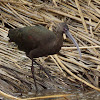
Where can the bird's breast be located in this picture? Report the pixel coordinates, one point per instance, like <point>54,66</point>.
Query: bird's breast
<point>53,47</point>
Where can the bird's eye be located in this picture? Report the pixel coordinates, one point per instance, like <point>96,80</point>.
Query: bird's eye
<point>65,29</point>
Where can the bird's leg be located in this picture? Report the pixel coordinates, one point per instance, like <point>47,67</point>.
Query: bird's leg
<point>41,67</point>
<point>45,71</point>
<point>32,70</point>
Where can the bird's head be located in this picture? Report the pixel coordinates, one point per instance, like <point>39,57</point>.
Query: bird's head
<point>60,28</point>
<point>63,28</point>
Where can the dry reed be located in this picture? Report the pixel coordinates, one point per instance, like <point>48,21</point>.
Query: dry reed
<point>83,19</point>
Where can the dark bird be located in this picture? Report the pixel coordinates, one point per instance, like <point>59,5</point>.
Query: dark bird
<point>37,41</point>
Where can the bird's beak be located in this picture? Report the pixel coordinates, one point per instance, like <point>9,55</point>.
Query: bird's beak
<point>73,40</point>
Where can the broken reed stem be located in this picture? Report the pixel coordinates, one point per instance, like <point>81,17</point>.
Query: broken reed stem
<point>81,15</point>
<point>74,48</point>
<point>8,96</point>
<point>47,97</point>
<point>34,98</point>
<point>97,26</point>
<point>57,64</point>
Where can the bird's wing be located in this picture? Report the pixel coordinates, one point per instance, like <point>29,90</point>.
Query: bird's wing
<point>30,37</point>
<point>37,35</point>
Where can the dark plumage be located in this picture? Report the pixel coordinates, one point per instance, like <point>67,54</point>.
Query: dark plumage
<point>37,41</point>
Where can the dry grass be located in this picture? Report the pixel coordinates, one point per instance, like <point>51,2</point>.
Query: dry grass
<point>83,18</point>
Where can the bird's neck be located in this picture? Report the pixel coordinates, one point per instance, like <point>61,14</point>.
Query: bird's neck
<point>59,35</point>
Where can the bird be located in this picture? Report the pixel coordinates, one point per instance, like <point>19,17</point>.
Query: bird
<point>38,41</point>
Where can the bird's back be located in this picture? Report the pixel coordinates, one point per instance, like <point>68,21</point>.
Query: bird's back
<point>30,37</point>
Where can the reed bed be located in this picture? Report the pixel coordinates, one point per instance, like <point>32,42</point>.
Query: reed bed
<point>83,19</point>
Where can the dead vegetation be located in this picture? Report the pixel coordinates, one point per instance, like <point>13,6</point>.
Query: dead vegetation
<point>83,19</point>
